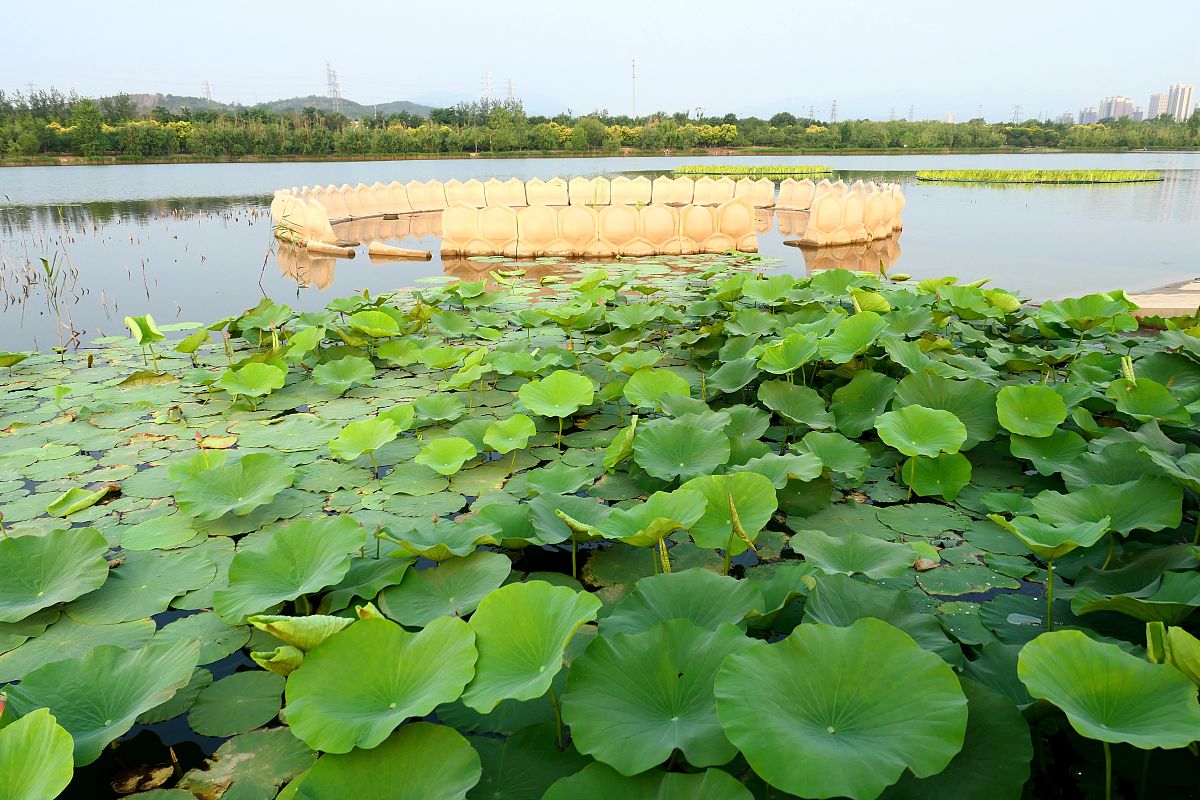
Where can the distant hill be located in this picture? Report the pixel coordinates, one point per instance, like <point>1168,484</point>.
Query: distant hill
<point>174,103</point>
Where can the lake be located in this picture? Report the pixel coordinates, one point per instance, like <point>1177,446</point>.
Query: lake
<point>85,246</point>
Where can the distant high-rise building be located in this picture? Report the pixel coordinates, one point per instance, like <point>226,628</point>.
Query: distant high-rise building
<point>949,117</point>
<point>1179,101</point>
<point>1116,107</point>
<point>1138,114</point>
<point>1157,106</point>
<point>1066,118</point>
<point>1088,116</point>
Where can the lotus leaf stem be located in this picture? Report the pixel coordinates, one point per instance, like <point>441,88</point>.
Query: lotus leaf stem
<point>1112,546</point>
<point>1196,535</point>
<point>1050,594</point>
<point>1107,772</point>
<point>558,723</point>
<point>1145,774</point>
<point>574,548</point>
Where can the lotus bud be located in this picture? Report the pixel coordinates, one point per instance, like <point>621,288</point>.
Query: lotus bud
<point>282,660</point>
<point>368,611</point>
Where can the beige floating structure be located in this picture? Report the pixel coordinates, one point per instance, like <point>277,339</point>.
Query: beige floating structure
<point>1176,300</point>
<point>835,213</point>
<point>378,249</point>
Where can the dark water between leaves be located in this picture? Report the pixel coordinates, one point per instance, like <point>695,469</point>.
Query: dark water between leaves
<point>192,242</point>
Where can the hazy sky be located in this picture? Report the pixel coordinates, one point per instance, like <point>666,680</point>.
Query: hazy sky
<point>744,56</point>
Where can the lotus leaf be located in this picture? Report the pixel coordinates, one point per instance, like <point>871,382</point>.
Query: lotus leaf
<point>1150,503</point>
<point>67,639</point>
<point>509,434</point>
<point>697,595</point>
<point>143,586</point>
<point>35,757</point>
<point>733,375</point>
<point>252,380</point>
<point>524,765</point>
<point>856,405</point>
<point>143,330</point>
<point>248,766</point>
<point>852,553</point>
<point>238,488</point>
<point>799,405</point>
<point>237,703</point>
<point>10,360</point>
<point>945,475</point>
<point>1049,540</point>
<point>662,514</point>
<point>446,455</point>
<point>50,569</point>
<point>1034,411</point>
<point>420,761</point>
<point>341,374</point>
<point>779,469</point>
<point>1145,400</point>
<point>75,500</point>
<point>453,588</point>
<point>215,638</point>
<point>303,633</point>
<point>520,632</point>
<point>402,415</point>
<point>920,431</point>
<point>972,401</point>
<point>363,436</point>
<point>635,697</point>
<point>439,407</point>
<point>1110,695</point>
<point>788,354</point>
<point>98,696</point>
<point>853,336</point>
<point>375,324</point>
<point>559,394</point>
<point>601,782</point>
<point>670,449</point>
<point>851,709</point>
<point>646,387</point>
<point>752,497</point>
<point>283,660</point>
<point>837,453</point>
<point>295,559</point>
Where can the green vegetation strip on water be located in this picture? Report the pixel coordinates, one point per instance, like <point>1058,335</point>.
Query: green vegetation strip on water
<point>1039,175</point>
<point>677,529</point>
<point>734,169</point>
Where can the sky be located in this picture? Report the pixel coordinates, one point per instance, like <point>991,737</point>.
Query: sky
<point>874,58</point>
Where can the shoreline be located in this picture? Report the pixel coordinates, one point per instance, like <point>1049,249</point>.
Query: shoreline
<point>85,161</point>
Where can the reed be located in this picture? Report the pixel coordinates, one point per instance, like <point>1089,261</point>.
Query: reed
<point>764,170</point>
<point>1039,175</point>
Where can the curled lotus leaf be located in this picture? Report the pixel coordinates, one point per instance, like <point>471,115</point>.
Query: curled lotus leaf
<point>1052,540</point>
<point>283,660</point>
<point>303,633</point>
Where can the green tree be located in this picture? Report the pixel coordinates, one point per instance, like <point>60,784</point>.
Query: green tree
<point>88,137</point>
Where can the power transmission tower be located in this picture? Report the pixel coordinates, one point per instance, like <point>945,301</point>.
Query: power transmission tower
<point>833,112</point>
<point>208,91</point>
<point>509,93</point>
<point>910,113</point>
<point>892,116</point>
<point>1016,113</point>
<point>485,83</point>
<point>812,113</point>
<point>334,82</point>
<point>633,85</point>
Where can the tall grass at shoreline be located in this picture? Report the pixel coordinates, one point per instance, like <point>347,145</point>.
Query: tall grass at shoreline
<point>1039,175</point>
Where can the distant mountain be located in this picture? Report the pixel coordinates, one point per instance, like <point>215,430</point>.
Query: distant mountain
<point>174,103</point>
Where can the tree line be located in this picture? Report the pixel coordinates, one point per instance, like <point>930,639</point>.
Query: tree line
<point>52,123</point>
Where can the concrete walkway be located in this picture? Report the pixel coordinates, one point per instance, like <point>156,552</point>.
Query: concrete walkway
<point>1176,300</point>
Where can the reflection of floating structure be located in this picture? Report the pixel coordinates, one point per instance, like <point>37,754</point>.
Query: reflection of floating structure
<point>305,268</point>
<point>876,257</point>
<point>839,214</point>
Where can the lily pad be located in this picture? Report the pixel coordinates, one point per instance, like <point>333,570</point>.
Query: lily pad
<point>238,488</point>
<point>453,588</point>
<point>50,569</point>
<point>237,703</point>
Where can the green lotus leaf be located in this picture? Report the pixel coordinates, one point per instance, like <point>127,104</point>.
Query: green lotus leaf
<point>363,436</point>
<point>375,324</point>
<point>972,401</point>
<point>633,698</point>
<point>237,488</point>
<point>852,553</point>
<point>444,407</point>
<point>733,375</point>
<point>76,499</point>
<point>1174,646</point>
<point>283,660</point>
<point>1030,410</point>
<point>303,633</point>
<point>303,342</point>
<point>799,405</point>
<point>1090,311</point>
<point>1050,540</point>
<point>599,781</point>
<point>559,394</point>
<point>646,387</point>
<point>1186,469</point>
<point>355,688</point>
<point>35,757</point>
<point>98,696</point>
<point>670,449</point>
<point>1110,695</point>
<point>558,478</point>
<point>700,596</point>
<point>144,585</point>
<point>856,405</point>
<point>920,431</point>
<point>158,533</point>
<point>630,362</point>
<point>402,415</point>
<point>441,540</point>
<point>237,703</point>
<point>524,765</point>
<point>850,709</point>
<point>923,519</point>
<point>788,354</point>
<point>447,454</point>
<point>1146,400</point>
<point>644,524</point>
<point>944,475</point>
<point>1175,598</point>
<point>779,469</point>
<point>753,498</point>
<point>67,639</point>
<point>994,761</point>
<point>143,330</point>
<point>633,315</point>
<point>453,588</point>
<point>252,380</point>
<point>1048,454</point>
<point>252,765</point>
<point>341,374</point>
<point>520,632</point>
<point>216,638</point>
<point>1150,503</point>
<point>837,453</point>
<point>367,578</point>
<point>298,558</point>
<point>421,761</point>
<point>853,336</point>
<point>45,570</point>
<point>509,434</point>
<point>10,360</point>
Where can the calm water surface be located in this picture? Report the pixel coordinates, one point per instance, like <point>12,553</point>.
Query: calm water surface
<point>192,242</point>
